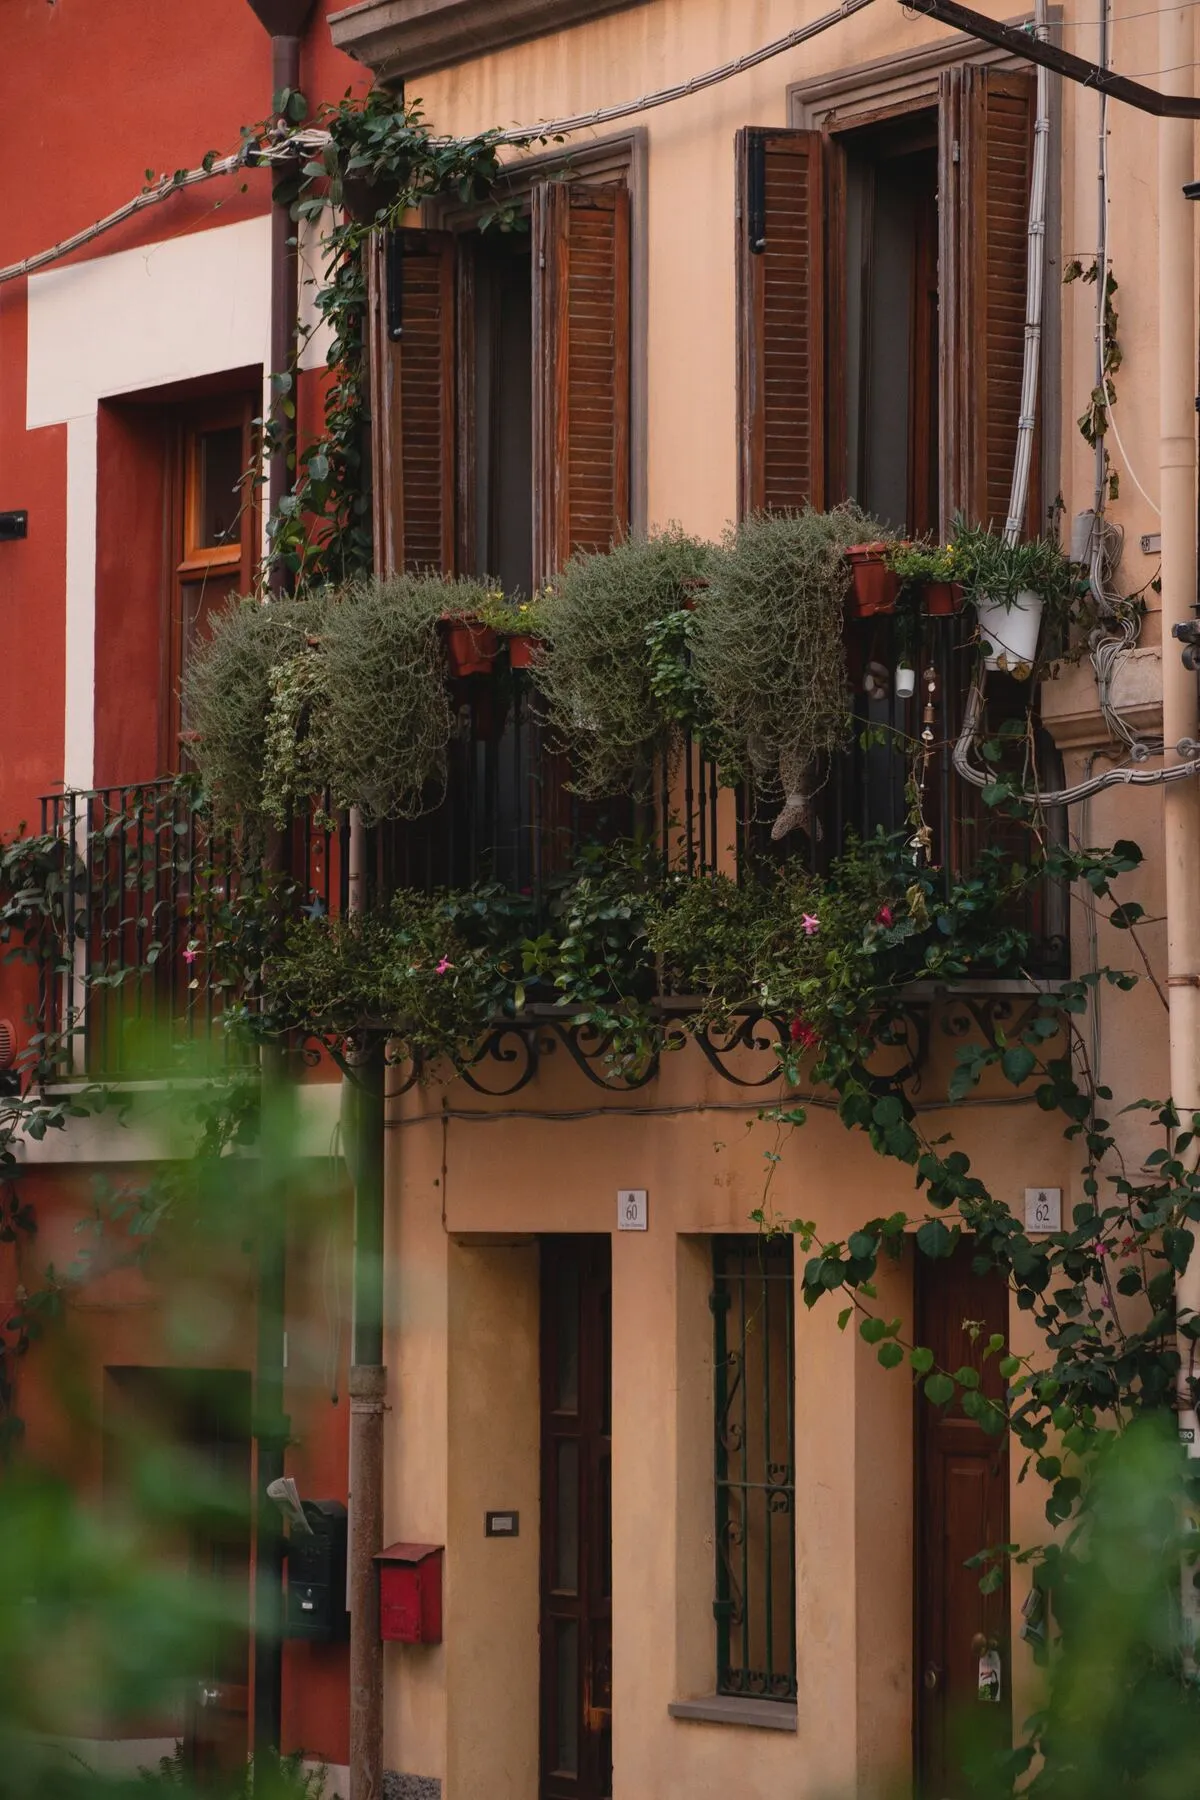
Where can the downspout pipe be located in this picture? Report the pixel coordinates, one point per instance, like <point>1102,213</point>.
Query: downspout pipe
<point>285,20</point>
<point>1177,502</point>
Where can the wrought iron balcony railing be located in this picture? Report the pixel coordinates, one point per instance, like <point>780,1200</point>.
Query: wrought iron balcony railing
<point>149,888</point>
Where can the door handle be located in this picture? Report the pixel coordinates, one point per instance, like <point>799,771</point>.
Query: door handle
<point>932,1678</point>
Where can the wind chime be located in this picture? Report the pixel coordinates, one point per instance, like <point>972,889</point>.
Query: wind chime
<point>921,842</point>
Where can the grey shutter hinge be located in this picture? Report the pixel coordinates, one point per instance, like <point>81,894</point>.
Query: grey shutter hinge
<point>956,151</point>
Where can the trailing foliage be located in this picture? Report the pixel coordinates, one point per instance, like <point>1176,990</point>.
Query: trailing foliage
<point>768,647</point>
<point>386,717</point>
<point>246,700</point>
<point>613,671</point>
<point>342,697</point>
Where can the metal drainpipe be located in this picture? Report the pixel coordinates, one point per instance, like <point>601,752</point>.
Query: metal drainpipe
<point>368,1390</point>
<point>285,21</point>
<point>1177,500</point>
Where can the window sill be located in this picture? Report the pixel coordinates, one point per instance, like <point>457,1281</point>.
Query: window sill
<point>731,1709</point>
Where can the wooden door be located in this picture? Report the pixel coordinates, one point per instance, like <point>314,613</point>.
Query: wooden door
<point>576,1621</point>
<point>195,1424</point>
<point>962,1508</point>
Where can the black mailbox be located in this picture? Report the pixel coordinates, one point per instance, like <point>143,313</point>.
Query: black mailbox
<point>316,1583</point>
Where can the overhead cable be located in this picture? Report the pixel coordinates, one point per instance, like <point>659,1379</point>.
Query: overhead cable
<point>314,141</point>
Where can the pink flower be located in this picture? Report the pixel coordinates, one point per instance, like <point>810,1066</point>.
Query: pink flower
<point>884,916</point>
<point>190,955</point>
<point>811,924</point>
<point>804,1034</point>
<point>443,966</point>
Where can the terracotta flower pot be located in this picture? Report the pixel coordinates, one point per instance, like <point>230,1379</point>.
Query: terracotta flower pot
<point>470,646</point>
<point>523,648</point>
<point>942,598</point>
<point>873,586</point>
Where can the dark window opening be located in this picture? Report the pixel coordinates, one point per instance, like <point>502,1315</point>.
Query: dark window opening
<point>503,412</point>
<point>891,321</point>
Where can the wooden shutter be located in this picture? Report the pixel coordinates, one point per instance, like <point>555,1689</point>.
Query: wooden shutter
<point>411,324</point>
<point>781,320</point>
<point>581,357</point>
<point>986,166</point>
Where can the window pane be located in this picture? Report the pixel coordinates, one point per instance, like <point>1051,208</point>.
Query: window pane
<point>219,471</point>
<point>566,1662</point>
<point>755,1467</point>
<point>566,1573</point>
<point>567,1340</point>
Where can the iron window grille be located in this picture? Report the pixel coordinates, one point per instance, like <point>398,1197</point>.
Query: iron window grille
<point>755,1466</point>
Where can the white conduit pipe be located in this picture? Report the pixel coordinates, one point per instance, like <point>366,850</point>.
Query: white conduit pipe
<point>314,141</point>
<point>971,772</point>
<point>1035,282</point>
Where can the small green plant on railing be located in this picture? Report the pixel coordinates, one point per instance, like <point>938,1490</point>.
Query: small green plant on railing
<point>989,567</point>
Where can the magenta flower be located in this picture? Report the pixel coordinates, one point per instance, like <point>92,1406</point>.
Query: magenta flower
<point>884,916</point>
<point>811,924</point>
<point>190,955</point>
<point>443,966</point>
<point>804,1034</point>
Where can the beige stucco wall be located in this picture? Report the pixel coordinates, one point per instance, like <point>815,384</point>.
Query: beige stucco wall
<point>467,1197</point>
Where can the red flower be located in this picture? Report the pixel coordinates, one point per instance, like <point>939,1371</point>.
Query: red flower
<point>884,916</point>
<point>804,1034</point>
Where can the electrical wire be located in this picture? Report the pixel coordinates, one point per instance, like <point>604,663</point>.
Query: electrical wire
<point>313,140</point>
<point>1148,12</point>
<point>1113,643</point>
<point>478,1116</point>
<point>249,155</point>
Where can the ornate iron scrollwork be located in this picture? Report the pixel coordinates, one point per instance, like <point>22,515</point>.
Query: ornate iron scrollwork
<point>511,1047</point>
<point>760,1032</point>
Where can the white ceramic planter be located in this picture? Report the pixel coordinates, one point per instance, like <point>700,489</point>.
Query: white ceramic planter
<point>905,683</point>
<point>1011,632</point>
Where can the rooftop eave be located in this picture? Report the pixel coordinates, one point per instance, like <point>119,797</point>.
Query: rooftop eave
<point>399,39</point>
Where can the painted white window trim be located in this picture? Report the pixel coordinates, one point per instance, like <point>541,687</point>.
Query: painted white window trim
<point>139,319</point>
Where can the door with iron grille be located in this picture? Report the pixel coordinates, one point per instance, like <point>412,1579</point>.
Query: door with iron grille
<point>576,1611</point>
<point>755,1466</point>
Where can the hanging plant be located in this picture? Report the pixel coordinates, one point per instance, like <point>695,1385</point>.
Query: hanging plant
<point>232,683</point>
<point>602,668</point>
<point>768,646</point>
<point>388,715</point>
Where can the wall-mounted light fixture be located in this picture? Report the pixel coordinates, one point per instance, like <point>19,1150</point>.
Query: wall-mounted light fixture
<point>13,525</point>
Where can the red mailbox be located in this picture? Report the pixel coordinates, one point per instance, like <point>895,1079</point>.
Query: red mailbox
<point>410,1594</point>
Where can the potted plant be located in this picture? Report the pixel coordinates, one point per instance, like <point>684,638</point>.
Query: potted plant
<point>613,670</point>
<point>471,645</point>
<point>1015,589</point>
<point>930,571</point>
<point>517,624</point>
<point>770,651</point>
<point>873,584</point>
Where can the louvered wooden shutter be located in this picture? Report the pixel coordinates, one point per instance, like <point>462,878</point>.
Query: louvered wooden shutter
<point>581,370</point>
<point>781,320</point>
<point>986,165</point>
<point>411,323</point>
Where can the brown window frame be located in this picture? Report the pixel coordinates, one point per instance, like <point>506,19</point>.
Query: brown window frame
<point>189,564</point>
<point>619,162</point>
